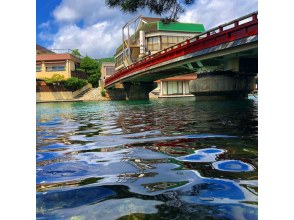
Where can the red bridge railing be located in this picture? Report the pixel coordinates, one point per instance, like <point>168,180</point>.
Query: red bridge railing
<point>240,28</point>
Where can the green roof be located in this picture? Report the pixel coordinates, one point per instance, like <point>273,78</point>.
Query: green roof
<point>182,27</point>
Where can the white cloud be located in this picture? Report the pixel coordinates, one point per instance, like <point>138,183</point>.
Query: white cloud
<point>87,11</point>
<point>212,13</point>
<point>44,25</point>
<point>98,33</point>
<point>96,40</point>
<point>64,13</point>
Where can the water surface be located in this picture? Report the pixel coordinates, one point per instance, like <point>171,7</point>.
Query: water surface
<point>161,159</point>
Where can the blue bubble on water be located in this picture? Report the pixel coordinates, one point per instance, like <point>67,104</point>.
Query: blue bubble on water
<point>232,166</point>
<point>194,157</point>
<point>203,155</point>
<point>211,151</point>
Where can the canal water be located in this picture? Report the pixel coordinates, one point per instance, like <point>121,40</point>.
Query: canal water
<point>158,159</point>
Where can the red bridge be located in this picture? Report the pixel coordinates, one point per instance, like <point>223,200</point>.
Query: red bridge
<point>229,49</point>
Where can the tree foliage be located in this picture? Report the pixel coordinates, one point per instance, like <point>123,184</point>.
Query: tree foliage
<point>103,92</point>
<point>74,83</point>
<point>89,65</point>
<point>92,68</point>
<point>93,79</point>
<point>56,78</point>
<point>173,7</point>
<point>76,53</point>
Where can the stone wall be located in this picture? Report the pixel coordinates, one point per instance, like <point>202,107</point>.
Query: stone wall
<point>53,96</point>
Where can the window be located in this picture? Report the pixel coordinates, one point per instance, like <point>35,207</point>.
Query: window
<point>55,68</point>
<point>186,87</point>
<point>168,41</point>
<point>38,68</point>
<point>175,87</point>
<point>118,60</point>
<point>109,71</point>
<point>180,39</point>
<point>153,43</point>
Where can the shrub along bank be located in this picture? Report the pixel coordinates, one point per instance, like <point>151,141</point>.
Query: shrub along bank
<point>71,84</point>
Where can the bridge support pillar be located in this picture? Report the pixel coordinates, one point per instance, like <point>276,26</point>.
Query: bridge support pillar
<point>232,64</point>
<point>138,91</point>
<point>219,87</point>
<point>116,94</point>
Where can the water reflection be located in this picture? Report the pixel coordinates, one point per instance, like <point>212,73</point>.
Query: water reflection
<point>147,159</point>
<point>232,166</point>
<point>203,155</point>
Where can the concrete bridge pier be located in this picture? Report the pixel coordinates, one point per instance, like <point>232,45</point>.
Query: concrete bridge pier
<point>222,86</point>
<point>116,94</point>
<point>138,91</point>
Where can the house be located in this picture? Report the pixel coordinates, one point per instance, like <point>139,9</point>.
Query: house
<point>107,69</point>
<point>176,86</point>
<point>49,63</point>
<point>151,36</point>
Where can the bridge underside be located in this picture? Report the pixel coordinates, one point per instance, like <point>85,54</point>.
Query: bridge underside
<point>206,60</point>
<point>226,63</point>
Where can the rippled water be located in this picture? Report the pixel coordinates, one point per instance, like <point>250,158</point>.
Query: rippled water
<point>162,159</point>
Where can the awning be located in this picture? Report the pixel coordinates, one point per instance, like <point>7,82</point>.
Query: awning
<point>57,62</point>
<point>38,63</point>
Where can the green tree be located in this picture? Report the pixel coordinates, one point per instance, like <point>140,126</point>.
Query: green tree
<point>174,7</point>
<point>92,68</point>
<point>93,79</point>
<point>74,83</point>
<point>89,65</point>
<point>76,53</point>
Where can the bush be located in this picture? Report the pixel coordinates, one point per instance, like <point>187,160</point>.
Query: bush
<point>103,92</point>
<point>56,78</point>
<point>93,79</point>
<point>74,83</point>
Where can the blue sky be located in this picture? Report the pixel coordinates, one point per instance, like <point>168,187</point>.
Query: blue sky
<point>95,30</point>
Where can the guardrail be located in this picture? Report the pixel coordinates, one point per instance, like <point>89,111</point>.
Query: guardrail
<point>244,26</point>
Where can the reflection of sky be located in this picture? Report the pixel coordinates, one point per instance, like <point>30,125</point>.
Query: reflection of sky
<point>110,209</point>
<point>54,146</point>
<point>73,197</point>
<point>203,155</point>
<point>212,189</point>
<point>112,141</point>
<point>66,171</point>
<point>46,156</point>
<point>232,166</point>
<point>111,164</point>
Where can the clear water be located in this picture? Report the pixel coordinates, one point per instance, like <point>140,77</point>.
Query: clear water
<point>162,159</point>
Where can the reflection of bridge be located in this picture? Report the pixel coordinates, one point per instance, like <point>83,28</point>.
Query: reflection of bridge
<point>224,58</point>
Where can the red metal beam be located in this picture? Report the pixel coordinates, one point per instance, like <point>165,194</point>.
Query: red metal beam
<point>222,34</point>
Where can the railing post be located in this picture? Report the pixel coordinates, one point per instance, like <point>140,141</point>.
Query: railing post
<point>236,23</point>
<point>254,17</point>
<point>221,29</point>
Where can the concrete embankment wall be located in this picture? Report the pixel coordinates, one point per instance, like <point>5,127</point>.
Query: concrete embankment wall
<point>47,95</point>
<point>53,96</point>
